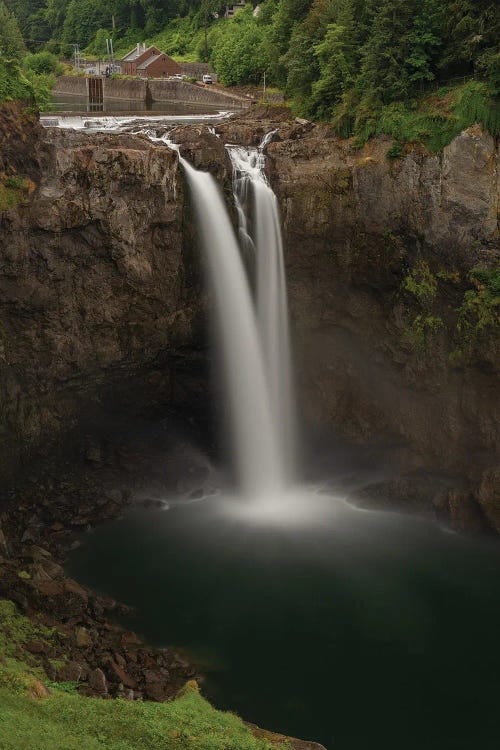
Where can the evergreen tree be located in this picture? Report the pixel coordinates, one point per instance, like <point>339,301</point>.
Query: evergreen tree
<point>472,34</point>
<point>11,40</point>
<point>338,59</point>
<point>383,76</point>
<point>424,42</point>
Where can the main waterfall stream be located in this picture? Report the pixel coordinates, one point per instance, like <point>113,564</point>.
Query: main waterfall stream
<point>307,616</point>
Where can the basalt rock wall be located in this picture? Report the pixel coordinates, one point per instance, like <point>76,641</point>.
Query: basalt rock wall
<point>98,311</point>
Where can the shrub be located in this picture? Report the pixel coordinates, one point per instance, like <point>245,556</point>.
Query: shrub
<point>43,63</point>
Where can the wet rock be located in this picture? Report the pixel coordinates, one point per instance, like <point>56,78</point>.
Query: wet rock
<point>120,661</point>
<point>72,672</point>
<point>97,681</point>
<point>114,495</point>
<point>36,647</point>
<point>83,638</point>
<point>93,454</point>
<point>38,574</point>
<point>489,496</point>
<point>157,687</point>
<point>39,553</point>
<point>31,534</point>
<point>72,587</point>
<point>49,587</point>
<point>4,549</point>
<point>130,638</point>
<point>122,675</point>
<point>465,513</point>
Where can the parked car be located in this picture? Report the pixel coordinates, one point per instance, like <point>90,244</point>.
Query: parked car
<point>207,78</point>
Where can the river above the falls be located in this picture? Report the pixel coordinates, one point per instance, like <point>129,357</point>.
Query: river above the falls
<point>356,629</point>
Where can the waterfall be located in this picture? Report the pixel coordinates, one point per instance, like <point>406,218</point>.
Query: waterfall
<point>259,227</point>
<point>255,432</point>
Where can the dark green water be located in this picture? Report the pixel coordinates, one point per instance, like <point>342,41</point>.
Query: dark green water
<point>363,631</point>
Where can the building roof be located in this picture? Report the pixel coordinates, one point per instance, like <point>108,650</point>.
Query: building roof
<point>135,53</point>
<point>148,62</point>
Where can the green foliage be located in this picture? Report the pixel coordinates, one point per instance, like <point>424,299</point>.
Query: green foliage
<point>473,326</point>
<point>17,84</point>
<point>15,629</point>
<point>421,330</point>
<point>421,283</point>
<point>65,720</point>
<point>237,51</point>
<point>64,687</point>
<point>479,313</point>
<point>475,104</point>
<point>43,63</point>
<point>11,40</point>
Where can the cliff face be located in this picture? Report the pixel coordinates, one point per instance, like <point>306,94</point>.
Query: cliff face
<point>357,225</point>
<point>95,308</point>
<point>100,297</point>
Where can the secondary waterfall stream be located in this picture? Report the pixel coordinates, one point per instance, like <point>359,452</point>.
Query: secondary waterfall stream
<point>260,229</point>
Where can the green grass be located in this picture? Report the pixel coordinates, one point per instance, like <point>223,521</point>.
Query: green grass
<point>17,630</point>
<point>63,720</point>
<point>13,192</point>
<point>68,722</point>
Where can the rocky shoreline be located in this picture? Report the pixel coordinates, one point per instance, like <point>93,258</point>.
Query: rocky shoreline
<point>91,649</point>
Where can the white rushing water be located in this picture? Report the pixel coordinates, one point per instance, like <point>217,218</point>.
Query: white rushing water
<point>254,428</point>
<point>260,229</point>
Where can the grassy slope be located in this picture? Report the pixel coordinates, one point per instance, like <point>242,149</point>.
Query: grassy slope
<point>64,721</point>
<point>32,718</point>
<point>438,117</point>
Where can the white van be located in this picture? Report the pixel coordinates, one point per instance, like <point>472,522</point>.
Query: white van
<point>207,78</point>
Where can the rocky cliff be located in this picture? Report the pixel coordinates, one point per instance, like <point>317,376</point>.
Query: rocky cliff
<point>395,328</point>
<point>97,310</point>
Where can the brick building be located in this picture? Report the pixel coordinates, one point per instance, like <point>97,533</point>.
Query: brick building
<point>158,65</point>
<point>137,56</point>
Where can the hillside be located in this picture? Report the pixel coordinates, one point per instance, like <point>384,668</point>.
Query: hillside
<point>418,71</point>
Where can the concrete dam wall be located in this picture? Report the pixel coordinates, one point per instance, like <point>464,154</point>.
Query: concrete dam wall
<point>152,91</point>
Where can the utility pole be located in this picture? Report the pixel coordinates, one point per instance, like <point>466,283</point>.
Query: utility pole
<point>111,55</point>
<point>205,26</point>
<point>76,48</point>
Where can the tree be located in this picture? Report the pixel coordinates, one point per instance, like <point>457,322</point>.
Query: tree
<point>424,42</point>
<point>472,31</point>
<point>383,77</point>
<point>43,63</point>
<point>338,59</point>
<point>11,40</point>
<point>238,51</point>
